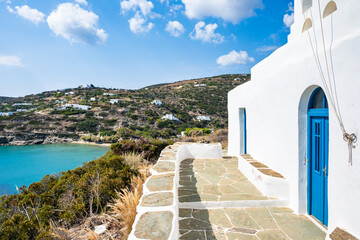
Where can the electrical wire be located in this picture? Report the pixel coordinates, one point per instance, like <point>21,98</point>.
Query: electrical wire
<point>328,88</point>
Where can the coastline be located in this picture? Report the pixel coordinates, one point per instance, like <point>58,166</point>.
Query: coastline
<point>92,143</point>
<point>49,141</point>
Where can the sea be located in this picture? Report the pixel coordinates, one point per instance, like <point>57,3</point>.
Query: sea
<point>23,165</point>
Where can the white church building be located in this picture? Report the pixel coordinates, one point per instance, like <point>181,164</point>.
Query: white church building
<point>300,116</point>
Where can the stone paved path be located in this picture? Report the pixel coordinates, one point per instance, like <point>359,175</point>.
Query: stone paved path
<point>219,180</point>
<point>205,188</point>
<point>246,224</point>
<point>215,180</point>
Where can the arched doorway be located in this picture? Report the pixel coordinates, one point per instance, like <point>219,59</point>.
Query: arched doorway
<point>318,145</point>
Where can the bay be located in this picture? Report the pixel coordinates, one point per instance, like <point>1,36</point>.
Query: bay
<point>23,165</point>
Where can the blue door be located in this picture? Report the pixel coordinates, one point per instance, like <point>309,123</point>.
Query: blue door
<point>318,136</point>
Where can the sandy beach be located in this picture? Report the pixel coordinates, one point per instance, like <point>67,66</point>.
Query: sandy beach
<point>92,143</point>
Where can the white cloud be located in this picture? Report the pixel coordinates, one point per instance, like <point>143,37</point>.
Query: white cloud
<point>234,58</point>
<point>229,10</point>
<point>144,6</point>
<point>175,28</point>
<point>137,24</point>
<point>75,24</point>
<point>206,33</point>
<point>267,48</point>
<point>10,9</point>
<point>167,2</point>
<point>83,2</point>
<point>274,37</point>
<point>289,18</point>
<point>33,15</point>
<point>174,8</point>
<point>11,61</point>
<point>291,6</point>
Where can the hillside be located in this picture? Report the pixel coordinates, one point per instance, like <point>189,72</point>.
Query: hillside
<point>45,117</point>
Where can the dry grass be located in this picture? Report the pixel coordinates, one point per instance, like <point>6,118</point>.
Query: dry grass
<point>220,136</point>
<point>124,206</point>
<point>82,231</point>
<point>134,160</point>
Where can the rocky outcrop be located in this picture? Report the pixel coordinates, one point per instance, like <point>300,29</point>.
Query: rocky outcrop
<point>4,140</point>
<point>31,139</point>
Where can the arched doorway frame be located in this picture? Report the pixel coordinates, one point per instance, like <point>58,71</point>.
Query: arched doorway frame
<point>317,153</point>
<point>303,145</point>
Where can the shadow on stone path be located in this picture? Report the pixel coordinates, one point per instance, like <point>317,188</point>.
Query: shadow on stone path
<point>209,180</point>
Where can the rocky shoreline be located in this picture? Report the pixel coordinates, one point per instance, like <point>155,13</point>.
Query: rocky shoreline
<point>36,140</point>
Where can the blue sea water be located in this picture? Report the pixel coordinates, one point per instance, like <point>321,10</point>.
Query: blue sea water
<point>23,165</point>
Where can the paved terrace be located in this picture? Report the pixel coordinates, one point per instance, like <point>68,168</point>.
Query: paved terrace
<point>193,198</point>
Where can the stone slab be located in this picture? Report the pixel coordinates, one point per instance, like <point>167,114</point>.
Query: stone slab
<point>272,235</point>
<point>164,166</point>
<point>161,183</point>
<point>299,227</point>
<point>340,234</point>
<point>154,225</point>
<point>158,200</point>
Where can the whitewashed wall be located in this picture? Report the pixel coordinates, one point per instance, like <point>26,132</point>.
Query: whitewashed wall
<point>276,106</point>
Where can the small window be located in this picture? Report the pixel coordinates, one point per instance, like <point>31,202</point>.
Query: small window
<point>306,5</point>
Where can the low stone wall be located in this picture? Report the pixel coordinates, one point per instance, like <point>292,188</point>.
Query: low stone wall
<point>158,210</point>
<point>271,183</point>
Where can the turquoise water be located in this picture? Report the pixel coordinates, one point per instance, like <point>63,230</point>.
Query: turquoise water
<point>23,165</point>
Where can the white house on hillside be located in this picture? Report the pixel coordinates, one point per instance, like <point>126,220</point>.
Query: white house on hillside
<point>157,102</point>
<point>203,118</point>
<point>300,116</point>
<point>6,114</point>
<point>75,106</point>
<point>170,117</point>
<point>22,104</point>
<point>114,101</point>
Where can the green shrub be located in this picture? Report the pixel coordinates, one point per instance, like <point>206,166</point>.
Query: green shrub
<point>89,114</point>
<point>125,133</point>
<point>35,122</point>
<point>9,126</point>
<point>71,128</point>
<point>196,132</point>
<point>110,123</point>
<point>68,112</point>
<point>89,125</point>
<point>103,114</point>
<point>149,149</point>
<point>68,135</point>
<point>134,117</point>
<point>107,133</point>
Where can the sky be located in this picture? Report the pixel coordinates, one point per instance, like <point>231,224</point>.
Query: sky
<point>57,44</point>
